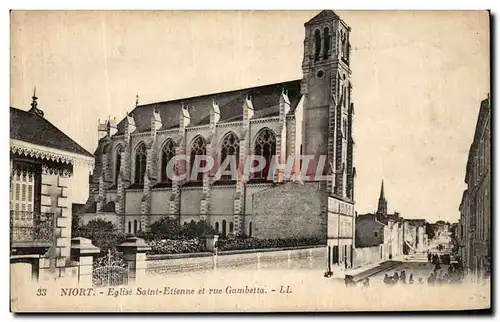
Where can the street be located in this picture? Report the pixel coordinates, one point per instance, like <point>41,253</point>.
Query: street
<point>416,265</point>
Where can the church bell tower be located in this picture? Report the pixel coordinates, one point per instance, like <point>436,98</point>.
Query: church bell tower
<point>328,110</point>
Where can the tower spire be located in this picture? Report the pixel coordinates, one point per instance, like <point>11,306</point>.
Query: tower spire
<point>382,202</point>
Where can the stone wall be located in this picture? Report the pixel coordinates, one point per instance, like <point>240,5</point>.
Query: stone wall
<point>205,261</point>
<point>291,210</point>
<point>368,255</point>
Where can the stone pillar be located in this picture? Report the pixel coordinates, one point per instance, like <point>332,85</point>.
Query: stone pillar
<point>134,254</point>
<point>56,200</point>
<point>82,251</point>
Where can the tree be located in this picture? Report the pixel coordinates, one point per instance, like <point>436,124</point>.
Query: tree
<point>103,234</point>
<point>197,229</point>
<point>430,230</point>
<point>165,228</point>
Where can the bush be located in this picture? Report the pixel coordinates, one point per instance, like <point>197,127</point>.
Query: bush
<point>175,246</point>
<point>196,229</point>
<point>165,228</point>
<point>254,243</point>
<point>102,234</point>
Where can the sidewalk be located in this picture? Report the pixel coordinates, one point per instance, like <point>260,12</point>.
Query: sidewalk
<point>362,272</point>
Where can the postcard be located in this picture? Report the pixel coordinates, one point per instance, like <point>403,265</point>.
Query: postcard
<point>250,161</point>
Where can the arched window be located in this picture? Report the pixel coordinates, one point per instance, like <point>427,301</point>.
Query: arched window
<point>140,163</point>
<point>198,147</point>
<point>135,226</point>
<point>217,226</point>
<point>118,162</point>
<point>224,228</point>
<point>230,147</point>
<point>250,229</point>
<point>105,149</point>
<point>265,145</point>
<point>317,44</point>
<point>231,227</point>
<point>167,153</point>
<point>129,227</point>
<point>326,37</point>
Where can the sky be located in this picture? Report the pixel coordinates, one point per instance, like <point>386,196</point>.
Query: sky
<point>418,80</point>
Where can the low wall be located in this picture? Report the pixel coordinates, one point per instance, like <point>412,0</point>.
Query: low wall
<point>161,264</point>
<point>367,255</point>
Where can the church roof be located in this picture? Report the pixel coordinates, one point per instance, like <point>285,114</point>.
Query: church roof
<point>322,16</point>
<point>265,100</point>
<point>32,128</point>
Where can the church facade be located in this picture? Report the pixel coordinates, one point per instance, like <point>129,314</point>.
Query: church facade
<point>310,118</point>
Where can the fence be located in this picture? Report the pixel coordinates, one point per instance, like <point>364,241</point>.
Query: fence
<point>31,227</point>
<point>110,271</point>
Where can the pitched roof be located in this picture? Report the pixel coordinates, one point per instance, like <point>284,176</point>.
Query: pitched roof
<point>32,128</point>
<point>322,16</point>
<point>265,100</point>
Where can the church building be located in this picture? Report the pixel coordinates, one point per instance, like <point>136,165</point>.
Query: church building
<point>312,116</point>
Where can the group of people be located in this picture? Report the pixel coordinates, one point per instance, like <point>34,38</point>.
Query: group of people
<point>401,278</point>
<point>454,275</point>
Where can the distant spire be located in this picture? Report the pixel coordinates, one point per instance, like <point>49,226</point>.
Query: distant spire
<point>382,202</point>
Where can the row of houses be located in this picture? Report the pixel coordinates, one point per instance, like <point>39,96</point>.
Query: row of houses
<point>390,235</point>
<point>474,228</point>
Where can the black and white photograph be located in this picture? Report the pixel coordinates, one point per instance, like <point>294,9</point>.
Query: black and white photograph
<point>250,161</point>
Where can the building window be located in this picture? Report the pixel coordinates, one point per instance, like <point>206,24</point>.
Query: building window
<point>129,227</point>
<point>326,36</point>
<point>198,148</point>
<point>140,163</point>
<point>224,228</point>
<point>167,153</point>
<point>317,44</point>
<point>230,147</point>
<point>231,227</point>
<point>250,229</point>
<point>135,226</point>
<point>217,226</point>
<point>375,233</point>
<point>265,145</point>
<point>118,162</point>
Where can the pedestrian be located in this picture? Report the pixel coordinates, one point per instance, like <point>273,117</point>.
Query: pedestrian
<point>345,262</point>
<point>402,278</point>
<point>420,280</point>
<point>429,257</point>
<point>411,281</point>
<point>395,278</point>
<point>431,279</point>
<point>366,282</point>
<point>386,279</point>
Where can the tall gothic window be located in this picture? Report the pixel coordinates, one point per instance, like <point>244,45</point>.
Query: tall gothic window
<point>265,145</point>
<point>230,148</point>
<point>224,231</point>
<point>326,37</point>
<point>198,147</point>
<point>118,162</point>
<point>140,163</point>
<point>167,153</point>
<point>317,44</point>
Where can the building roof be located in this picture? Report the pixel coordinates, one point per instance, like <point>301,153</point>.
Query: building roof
<point>32,128</point>
<point>265,100</point>
<point>419,222</point>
